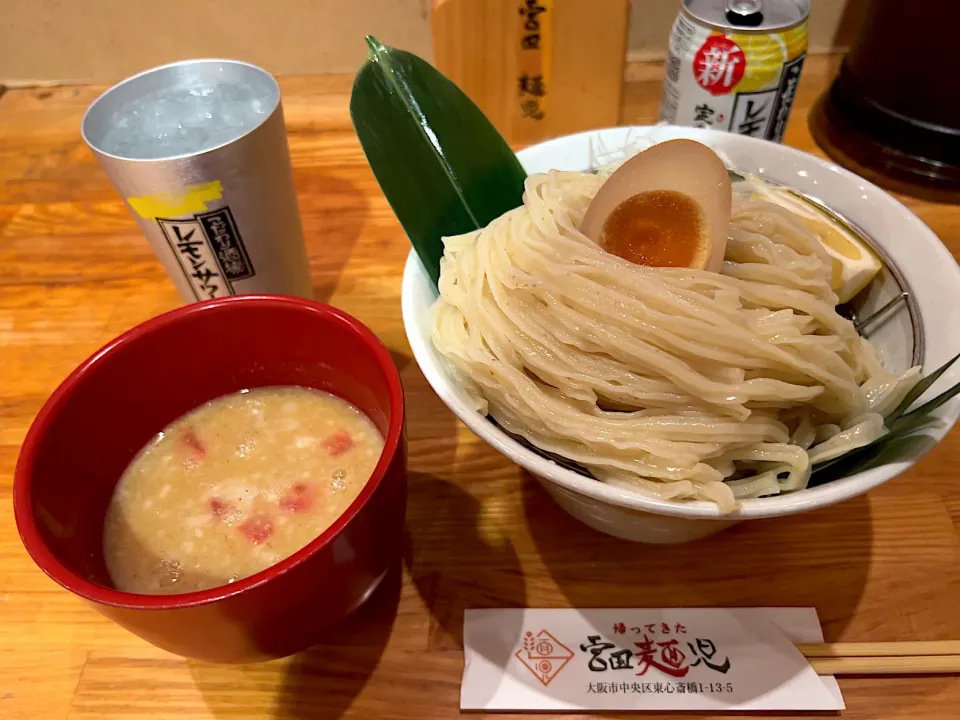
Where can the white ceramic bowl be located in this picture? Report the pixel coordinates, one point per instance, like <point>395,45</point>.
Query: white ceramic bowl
<point>926,265</point>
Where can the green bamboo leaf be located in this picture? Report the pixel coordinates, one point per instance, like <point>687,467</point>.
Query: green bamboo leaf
<point>919,389</point>
<point>902,425</point>
<point>925,410</point>
<point>848,463</point>
<point>912,422</point>
<point>443,167</point>
<point>889,449</point>
<point>852,459</point>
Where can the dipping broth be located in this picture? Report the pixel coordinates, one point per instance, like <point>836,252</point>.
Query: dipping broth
<point>234,487</point>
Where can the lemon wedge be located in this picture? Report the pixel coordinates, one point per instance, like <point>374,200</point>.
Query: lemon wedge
<point>854,263</point>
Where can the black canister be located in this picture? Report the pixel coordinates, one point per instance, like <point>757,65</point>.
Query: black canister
<point>893,113</point>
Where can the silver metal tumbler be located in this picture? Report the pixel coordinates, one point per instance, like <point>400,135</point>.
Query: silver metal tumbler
<point>222,219</point>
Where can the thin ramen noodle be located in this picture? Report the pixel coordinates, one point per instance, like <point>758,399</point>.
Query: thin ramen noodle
<point>681,384</point>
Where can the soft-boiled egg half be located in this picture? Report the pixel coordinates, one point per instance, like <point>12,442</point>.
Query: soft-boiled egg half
<point>668,206</point>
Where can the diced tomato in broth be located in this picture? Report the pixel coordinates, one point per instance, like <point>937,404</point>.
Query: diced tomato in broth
<point>338,443</point>
<point>219,508</point>
<point>298,499</point>
<point>257,529</point>
<point>193,444</point>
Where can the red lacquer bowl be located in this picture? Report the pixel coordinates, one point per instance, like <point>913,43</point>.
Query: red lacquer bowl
<point>116,401</point>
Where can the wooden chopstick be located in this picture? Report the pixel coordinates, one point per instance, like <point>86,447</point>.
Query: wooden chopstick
<point>879,649</point>
<point>889,665</point>
<point>884,658</point>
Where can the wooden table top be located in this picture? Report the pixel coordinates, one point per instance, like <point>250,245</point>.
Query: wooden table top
<point>75,272</point>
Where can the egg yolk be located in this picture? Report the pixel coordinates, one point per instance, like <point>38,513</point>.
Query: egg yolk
<point>659,228</point>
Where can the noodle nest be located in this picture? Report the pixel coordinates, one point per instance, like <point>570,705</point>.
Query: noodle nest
<point>680,384</point>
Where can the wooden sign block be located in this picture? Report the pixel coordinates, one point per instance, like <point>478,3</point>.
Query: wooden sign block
<point>537,68</point>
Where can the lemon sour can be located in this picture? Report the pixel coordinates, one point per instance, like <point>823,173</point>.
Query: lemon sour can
<point>735,64</point>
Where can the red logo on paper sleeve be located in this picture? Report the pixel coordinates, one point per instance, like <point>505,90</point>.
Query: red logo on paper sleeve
<point>719,65</point>
<point>543,655</point>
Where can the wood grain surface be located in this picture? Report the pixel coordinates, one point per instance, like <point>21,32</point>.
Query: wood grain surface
<point>75,272</point>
